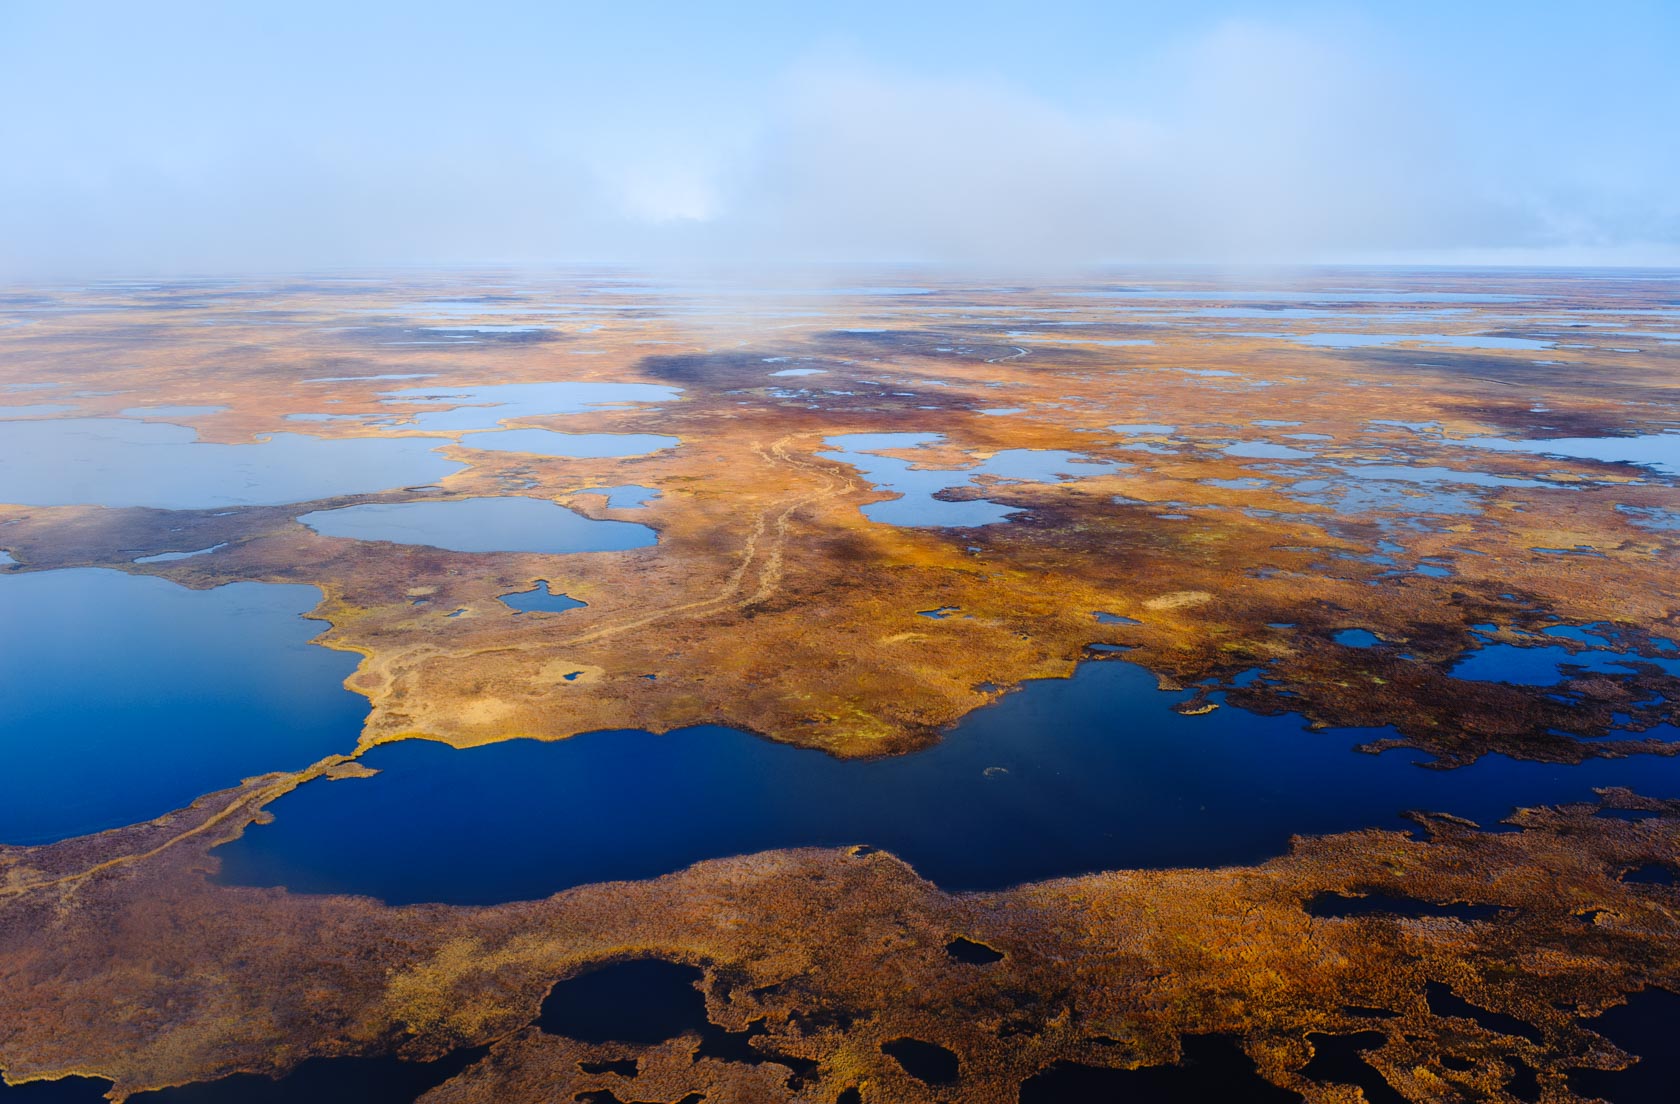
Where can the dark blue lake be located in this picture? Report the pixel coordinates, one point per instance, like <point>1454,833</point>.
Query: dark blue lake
<point>123,697</point>
<point>1066,776</point>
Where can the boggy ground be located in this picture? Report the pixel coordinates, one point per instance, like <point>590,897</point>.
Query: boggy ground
<point>772,603</point>
<point>1475,975</point>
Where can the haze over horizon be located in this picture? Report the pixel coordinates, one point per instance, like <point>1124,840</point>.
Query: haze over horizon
<point>193,137</point>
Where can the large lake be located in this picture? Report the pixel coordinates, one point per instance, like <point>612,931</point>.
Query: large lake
<point>1063,777</point>
<point>126,696</point>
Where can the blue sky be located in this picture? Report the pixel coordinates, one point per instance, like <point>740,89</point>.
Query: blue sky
<point>206,137</point>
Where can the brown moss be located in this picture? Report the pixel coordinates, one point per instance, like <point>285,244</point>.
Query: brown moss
<point>122,960</point>
<point>773,604</point>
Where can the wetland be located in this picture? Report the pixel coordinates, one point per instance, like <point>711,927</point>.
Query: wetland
<point>949,691</point>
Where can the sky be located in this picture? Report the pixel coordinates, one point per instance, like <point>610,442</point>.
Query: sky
<point>173,137</point>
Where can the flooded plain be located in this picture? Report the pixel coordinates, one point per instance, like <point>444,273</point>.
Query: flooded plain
<point>1432,513</point>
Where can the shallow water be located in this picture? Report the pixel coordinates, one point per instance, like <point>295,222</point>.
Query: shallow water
<point>1095,772</point>
<point>1652,517</point>
<point>127,696</point>
<point>1368,340</point>
<point>1376,496</point>
<point>542,598</point>
<point>547,442</point>
<point>1338,296</point>
<point>34,410</point>
<point>1658,451</point>
<point>383,376</point>
<point>169,557</point>
<point>468,408</point>
<point>506,524</point>
<point>121,462</point>
<point>625,496</point>
<point>1265,450</point>
<point>171,411</point>
<point>916,487</point>
<point>1425,473</point>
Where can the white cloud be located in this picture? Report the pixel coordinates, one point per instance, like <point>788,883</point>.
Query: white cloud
<point>1249,143</point>
<point>1269,146</point>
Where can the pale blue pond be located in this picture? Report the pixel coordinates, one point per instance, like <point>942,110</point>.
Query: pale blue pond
<point>1370,340</point>
<point>1401,423</point>
<point>364,418</point>
<point>1274,312</point>
<point>916,488</point>
<point>502,524</point>
<point>127,696</point>
<point>1371,495</point>
<point>542,598</point>
<point>547,442</point>
<point>385,376</point>
<point>169,557</point>
<point>1657,451</point>
<point>485,307</point>
<point>1265,450</point>
<point>1305,296</point>
<point>1113,343</point>
<point>486,407</point>
<point>1656,518</point>
<point>171,411</point>
<point>120,462</point>
<point>35,410</point>
<point>1426,473</point>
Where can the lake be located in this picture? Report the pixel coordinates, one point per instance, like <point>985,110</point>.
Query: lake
<point>127,696</point>
<point>1065,776</point>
